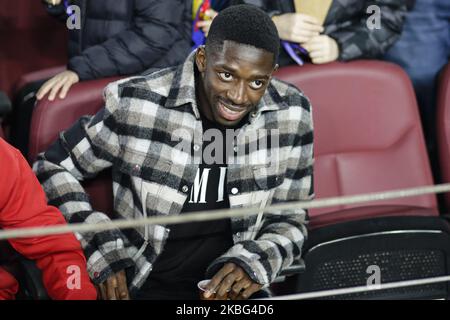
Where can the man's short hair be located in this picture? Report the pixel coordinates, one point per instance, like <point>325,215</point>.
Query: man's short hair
<point>245,24</point>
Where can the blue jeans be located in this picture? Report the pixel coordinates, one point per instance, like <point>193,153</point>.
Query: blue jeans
<point>423,50</point>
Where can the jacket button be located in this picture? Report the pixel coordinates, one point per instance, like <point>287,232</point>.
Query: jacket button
<point>234,191</point>
<point>235,148</point>
<point>185,189</point>
<point>196,147</point>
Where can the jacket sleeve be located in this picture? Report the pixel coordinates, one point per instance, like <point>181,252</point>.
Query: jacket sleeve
<point>24,205</point>
<point>152,33</point>
<point>356,40</point>
<point>8,285</point>
<point>81,152</point>
<point>281,236</point>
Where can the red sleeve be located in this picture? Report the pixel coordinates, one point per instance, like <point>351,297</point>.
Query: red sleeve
<point>8,285</point>
<point>23,204</point>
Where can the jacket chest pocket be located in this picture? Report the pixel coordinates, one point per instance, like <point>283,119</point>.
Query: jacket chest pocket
<point>148,166</point>
<point>268,176</point>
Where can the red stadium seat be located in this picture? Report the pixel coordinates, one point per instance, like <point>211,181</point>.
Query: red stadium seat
<point>52,117</point>
<point>368,138</point>
<point>443,128</point>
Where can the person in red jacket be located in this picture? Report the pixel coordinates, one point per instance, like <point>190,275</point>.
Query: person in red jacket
<point>23,204</point>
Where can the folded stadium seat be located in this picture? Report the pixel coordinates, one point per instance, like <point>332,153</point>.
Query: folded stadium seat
<point>367,138</point>
<point>51,117</point>
<point>443,129</point>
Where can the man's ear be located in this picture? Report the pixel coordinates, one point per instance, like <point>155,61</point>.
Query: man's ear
<point>200,59</point>
<point>275,69</point>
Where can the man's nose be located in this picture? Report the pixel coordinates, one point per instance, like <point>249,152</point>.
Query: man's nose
<point>238,94</point>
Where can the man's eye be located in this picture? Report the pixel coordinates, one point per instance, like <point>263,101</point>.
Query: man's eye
<point>225,76</point>
<point>257,84</point>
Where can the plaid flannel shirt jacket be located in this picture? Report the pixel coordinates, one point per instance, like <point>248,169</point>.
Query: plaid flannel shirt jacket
<point>134,135</point>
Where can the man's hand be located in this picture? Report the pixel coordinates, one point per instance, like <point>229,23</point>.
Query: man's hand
<point>231,282</point>
<point>297,27</point>
<point>62,81</point>
<point>115,287</point>
<point>206,24</point>
<point>322,49</point>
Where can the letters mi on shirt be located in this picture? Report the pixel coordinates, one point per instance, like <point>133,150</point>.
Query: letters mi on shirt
<point>192,247</point>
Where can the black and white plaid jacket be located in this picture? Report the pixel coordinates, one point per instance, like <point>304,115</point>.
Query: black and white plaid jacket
<point>134,135</point>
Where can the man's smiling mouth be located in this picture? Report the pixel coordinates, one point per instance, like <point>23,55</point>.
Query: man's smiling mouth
<point>230,113</point>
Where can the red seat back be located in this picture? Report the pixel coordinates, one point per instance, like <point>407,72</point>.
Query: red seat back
<point>52,117</point>
<point>367,131</point>
<point>31,40</point>
<point>443,128</point>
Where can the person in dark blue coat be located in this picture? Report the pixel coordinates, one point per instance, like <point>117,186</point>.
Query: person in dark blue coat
<point>120,37</point>
<point>112,38</point>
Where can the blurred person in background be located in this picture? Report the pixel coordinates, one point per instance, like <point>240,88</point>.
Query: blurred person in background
<point>343,35</point>
<point>116,37</point>
<point>423,50</point>
<point>23,205</point>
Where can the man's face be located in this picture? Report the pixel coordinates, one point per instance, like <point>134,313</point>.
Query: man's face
<point>233,80</point>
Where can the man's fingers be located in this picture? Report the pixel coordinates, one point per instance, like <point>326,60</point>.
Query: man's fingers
<point>303,36</point>
<point>55,89</point>
<point>320,60</point>
<point>45,88</point>
<point>212,286</point>
<point>111,285</point>
<point>65,89</point>
<point>242,284</point>
<point>103,294</point>
<point>250,290</point>
<point>309,27</point>
<point>226,284</point>
<point>238,287</point>
<point>308,18</point>
<point>122,286</point>
<point>315,54</point>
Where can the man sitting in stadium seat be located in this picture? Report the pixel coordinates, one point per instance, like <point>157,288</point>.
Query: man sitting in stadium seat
<point>225,85</point>
<point>23,204</point>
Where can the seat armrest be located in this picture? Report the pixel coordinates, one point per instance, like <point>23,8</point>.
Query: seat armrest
<point>5,104</point>
<point>32,285</point>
